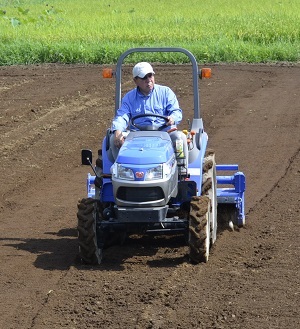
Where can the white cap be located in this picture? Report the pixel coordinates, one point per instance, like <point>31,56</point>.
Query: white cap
<point>141,69</point>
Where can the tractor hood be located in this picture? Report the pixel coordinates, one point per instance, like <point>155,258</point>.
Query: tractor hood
<point>146,147</point>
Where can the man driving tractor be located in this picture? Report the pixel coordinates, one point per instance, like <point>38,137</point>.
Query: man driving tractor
<point>148,97</point>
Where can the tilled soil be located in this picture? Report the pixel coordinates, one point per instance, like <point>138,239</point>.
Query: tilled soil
<point>49,113</point>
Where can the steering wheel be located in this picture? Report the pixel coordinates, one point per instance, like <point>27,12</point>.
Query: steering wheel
<point>149,127</point>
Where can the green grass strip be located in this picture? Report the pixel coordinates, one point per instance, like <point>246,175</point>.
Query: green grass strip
<point>36,31</point>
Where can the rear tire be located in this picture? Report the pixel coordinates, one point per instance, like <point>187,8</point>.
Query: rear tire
<point>199,229</point>
<point>99,164</point>
<point>209,188</point>
<point>203,213</point>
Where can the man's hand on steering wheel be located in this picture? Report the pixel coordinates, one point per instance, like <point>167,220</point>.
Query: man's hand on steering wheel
<point>170,122</point>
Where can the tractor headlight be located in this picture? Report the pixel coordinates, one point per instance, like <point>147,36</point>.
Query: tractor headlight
<point>154,173</point>
<point>124,173</point>
<point>161,171</point>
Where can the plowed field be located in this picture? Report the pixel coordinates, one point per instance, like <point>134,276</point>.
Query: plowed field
<point>49,113</point>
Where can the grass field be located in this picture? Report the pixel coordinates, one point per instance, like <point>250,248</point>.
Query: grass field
<point>72,31</point>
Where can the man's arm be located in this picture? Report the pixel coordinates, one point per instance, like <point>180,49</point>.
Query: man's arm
<point>173,110</point>
<point>121,121</point>
<point>123,115</point>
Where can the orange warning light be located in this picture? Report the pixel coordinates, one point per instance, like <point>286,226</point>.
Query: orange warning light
<point>107,73</point>
<point>205,73</point>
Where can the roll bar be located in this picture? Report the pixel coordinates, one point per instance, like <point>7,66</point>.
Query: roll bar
<point>192,58</point>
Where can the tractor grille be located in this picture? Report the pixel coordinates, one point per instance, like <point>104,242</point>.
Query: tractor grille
<point>142,194</point>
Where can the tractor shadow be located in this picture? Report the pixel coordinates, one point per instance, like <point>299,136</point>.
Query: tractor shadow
<point>142,250</point>
<point>58,252</point>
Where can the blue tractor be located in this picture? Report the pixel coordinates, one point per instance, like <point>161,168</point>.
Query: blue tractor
<point>147,189</point>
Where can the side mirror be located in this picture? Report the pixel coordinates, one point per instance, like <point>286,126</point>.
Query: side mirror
<point>86,157</point>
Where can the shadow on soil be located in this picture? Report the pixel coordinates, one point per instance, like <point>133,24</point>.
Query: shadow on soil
<point>159,251</point>
<point>61,251</point>
<point>57,253</point>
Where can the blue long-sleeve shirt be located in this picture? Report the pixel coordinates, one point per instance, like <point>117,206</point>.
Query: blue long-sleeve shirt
<point>161,100</point>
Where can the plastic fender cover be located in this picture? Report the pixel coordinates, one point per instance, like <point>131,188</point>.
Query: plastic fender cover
<point>145,150</point>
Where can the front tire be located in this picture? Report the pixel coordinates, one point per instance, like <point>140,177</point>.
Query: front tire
<point>87,236</point>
